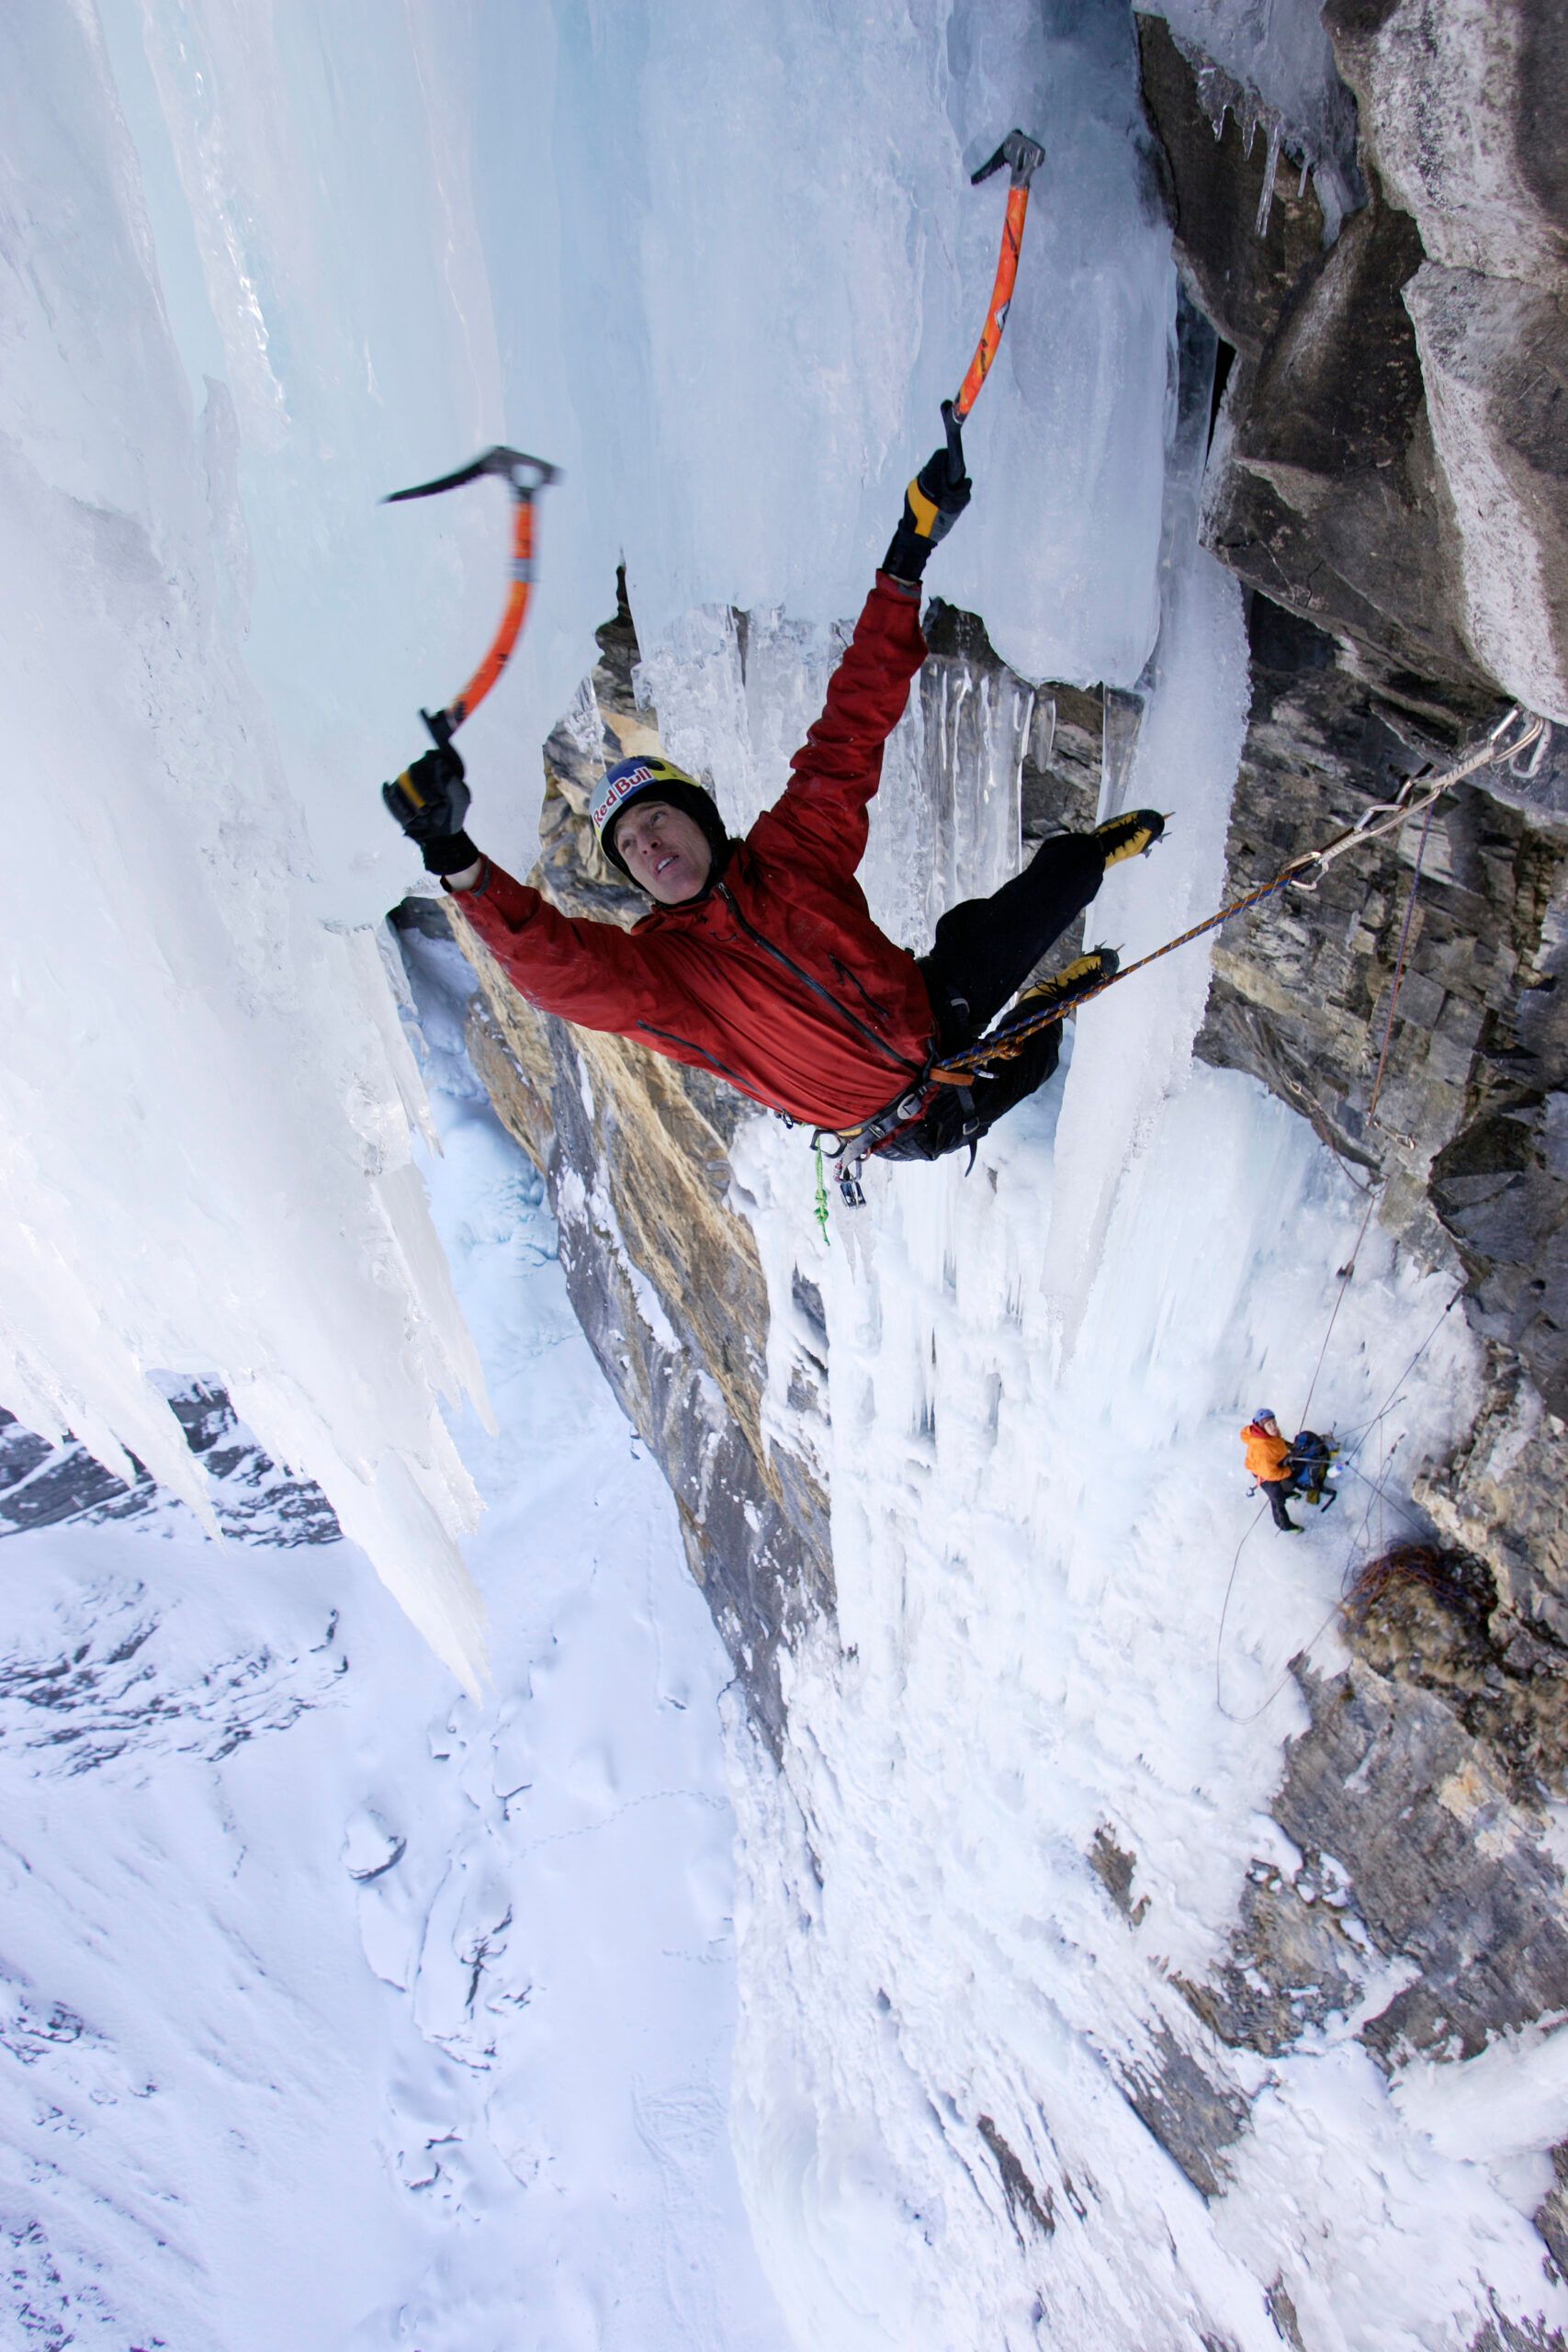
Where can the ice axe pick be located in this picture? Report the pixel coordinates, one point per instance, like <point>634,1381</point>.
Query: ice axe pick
<point>1024,157</point>
<point>527,477</point>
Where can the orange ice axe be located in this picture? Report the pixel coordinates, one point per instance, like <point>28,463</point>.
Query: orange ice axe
<point>527,477</point>
<point>1023,156</point>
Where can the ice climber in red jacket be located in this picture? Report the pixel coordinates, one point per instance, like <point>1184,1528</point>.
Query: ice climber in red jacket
<point>758,960</point>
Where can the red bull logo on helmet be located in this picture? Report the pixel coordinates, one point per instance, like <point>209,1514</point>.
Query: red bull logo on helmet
<point>626,778</point>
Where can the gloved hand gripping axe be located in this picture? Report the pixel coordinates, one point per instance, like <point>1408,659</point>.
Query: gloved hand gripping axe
<point>430,799</point>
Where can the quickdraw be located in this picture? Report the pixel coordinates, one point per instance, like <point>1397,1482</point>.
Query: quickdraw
<point>850,1147</point>
<point>527,477</point>
<point>1502,748</point>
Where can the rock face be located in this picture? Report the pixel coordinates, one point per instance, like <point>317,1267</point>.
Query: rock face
<point>1323,489</point>
<point>1391,459</point>
<point>1469,137</point>
<point>1328,493</point>
<point>1388,476</point>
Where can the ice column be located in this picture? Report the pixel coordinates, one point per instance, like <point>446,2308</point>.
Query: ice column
<point>946,825</point>
<point>1132,1046</point>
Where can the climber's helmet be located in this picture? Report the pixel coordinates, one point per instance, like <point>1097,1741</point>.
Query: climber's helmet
<point>653,778</point>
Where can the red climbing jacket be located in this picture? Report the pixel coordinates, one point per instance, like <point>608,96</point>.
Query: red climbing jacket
<point>776,977</point>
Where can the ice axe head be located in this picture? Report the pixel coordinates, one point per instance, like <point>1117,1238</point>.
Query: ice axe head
<point>1022,155</point>
<point>524,474</point>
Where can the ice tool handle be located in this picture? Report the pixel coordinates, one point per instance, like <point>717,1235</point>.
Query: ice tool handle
<point>1024,157</point>
<point>527,476</point>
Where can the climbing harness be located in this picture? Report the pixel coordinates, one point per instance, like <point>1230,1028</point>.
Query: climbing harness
<point>527,477</point>
<point>1515,734</point>
<point>850,1147</point>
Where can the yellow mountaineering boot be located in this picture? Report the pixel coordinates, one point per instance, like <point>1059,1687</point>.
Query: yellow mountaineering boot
<point>1075,979</point>
<point>1130,835</point>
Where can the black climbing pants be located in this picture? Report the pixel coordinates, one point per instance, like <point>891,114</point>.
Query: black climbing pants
<point>984,950</point>
<point>1279,1491</point>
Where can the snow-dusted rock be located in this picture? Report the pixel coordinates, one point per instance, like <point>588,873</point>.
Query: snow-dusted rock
<point>1495,360</point>
<point>1461,110</point>
<point>1461,105</point>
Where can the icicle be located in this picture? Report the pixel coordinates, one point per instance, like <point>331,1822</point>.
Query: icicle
<point>1314,143</point>
<point>1270,170</point>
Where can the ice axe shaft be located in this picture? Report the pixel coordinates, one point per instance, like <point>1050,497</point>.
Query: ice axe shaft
<point>1024,157</point>
<point>527,476</point>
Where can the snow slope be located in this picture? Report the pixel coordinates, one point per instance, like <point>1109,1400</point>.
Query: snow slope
<point>335,2011</point>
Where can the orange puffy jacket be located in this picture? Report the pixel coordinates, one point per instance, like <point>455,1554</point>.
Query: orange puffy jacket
<point>776,977</point>
<point>1267,1458</point>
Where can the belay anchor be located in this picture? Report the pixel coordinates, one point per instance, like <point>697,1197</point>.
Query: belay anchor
<point>527,477</point>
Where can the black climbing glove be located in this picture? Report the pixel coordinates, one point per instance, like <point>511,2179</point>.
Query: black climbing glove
<point>933,504</point>
<point>430,801</point>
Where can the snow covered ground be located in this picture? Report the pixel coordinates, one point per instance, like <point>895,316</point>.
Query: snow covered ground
<point>336,2010</point>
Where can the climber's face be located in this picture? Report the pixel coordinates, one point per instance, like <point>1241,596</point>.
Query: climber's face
<point>667,851</point>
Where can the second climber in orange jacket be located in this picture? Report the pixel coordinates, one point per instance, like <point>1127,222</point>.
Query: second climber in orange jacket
<point>1270,1461</point>
<point>758,959</point>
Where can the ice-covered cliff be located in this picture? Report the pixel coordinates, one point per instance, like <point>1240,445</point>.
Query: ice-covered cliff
<point>1106,1886</point>
<point>1132,1953</point>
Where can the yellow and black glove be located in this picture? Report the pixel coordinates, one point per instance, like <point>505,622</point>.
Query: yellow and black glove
<point>430,801</point>
<point>933,504</point>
